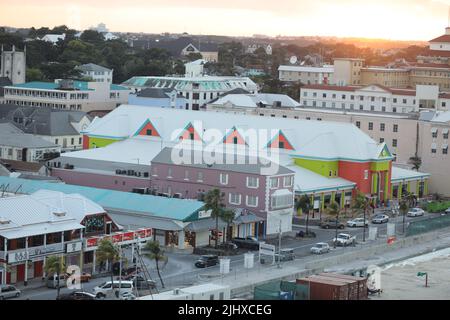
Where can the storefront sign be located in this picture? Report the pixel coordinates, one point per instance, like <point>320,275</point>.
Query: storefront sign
<point>143,233</point>
<point>74,247</point>
<point>116,238</point>
<point>92,242</point>
<point>128,236</point>
<point>23,255</point>
<point>204,214</point>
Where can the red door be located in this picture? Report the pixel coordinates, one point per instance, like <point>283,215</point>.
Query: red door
<point>21,272</point>
<point>38,269</point>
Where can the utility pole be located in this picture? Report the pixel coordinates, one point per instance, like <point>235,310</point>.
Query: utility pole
<point>120,270</point>
<point>364,226</point>
<point>279,247</point>
<point>336,227</point>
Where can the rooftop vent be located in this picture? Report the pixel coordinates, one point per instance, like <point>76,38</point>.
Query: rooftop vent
<point>4,220</point>
<point>59,213</point>
<point>176,291</point>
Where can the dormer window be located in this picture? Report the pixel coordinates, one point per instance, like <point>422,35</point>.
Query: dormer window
<point>59,213</point>
<point>4,221</point>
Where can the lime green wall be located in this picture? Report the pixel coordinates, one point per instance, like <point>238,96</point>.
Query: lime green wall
<point>380,166</point>
<point>320,167</point>
<point>387,195</point>
<point>100,142</point>
<point>374,183</point>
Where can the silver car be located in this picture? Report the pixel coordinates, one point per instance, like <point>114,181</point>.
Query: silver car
<point>357,222</point>
<point>321,247</point>
<point>9,292</point>
<point>380,218</point>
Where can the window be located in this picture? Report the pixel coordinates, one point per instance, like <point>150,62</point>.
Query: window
<point>235,198</point>
<point>381,126</point>
<point>72,141</point>
<point>224,178</point>
<point>384,99</point>
<point>186,174</point>
<point>358,124</point>
<point>394,142</point>
<point>395,100</point>
<point>395,129</point>
<point>200,176</point>
<point>155,171</point>
<point>196,96</point>
<point>282,201</point>
<point>434,132</point>
<point>445,133</point>
<point>274,182</point>
<point>252,201</point>
<point>149,132</point>
<point>404,101</point>
<point>366,174</point>
<point>381,140</point>
<point>169,173</point>
<point>394,109</point>
<point>56,141</point>
<point>372,99</point>
<point>252,182</point>
<point>445,149</point>
<point>433,148</point>
<point>80,140</point>
<point>287,181</point>
<point>372,108</point>
<point>370,125</point>
<point>281,144</point>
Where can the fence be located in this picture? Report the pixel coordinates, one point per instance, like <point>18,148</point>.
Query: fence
<point>281,290</point>
<point>423,226</point>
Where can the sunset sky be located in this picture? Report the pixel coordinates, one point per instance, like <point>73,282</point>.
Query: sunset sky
<point>389,19</point>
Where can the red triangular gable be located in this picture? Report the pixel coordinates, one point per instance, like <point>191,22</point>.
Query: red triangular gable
<point>188,132</point>
<point>232,135</point>
<point>280,142</point>
<point>143,131</point>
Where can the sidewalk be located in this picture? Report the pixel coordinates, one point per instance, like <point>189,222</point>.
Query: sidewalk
<point>245,280</point>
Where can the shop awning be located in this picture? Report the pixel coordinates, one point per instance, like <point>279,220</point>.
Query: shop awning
<point>434,130</point>
<point>247,218</point>
<point>42,228</point>
<point>445,131</point>
<point>133,222</point>
<point>204,225</point>
<point>445,146</point>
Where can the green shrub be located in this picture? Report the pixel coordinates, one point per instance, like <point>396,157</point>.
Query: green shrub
<point>436,206</point>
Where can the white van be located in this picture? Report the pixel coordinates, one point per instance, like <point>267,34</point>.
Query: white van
<point>52,281</point>
<point>107,288</point>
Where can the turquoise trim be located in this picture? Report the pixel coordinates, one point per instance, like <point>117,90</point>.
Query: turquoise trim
<point>143,126</point>
<point>342,188</point>
<point>339,158</point>
<point>107,137</point>
<point>411,178</point>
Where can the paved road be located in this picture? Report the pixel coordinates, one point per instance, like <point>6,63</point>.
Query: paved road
<point>180,270</point>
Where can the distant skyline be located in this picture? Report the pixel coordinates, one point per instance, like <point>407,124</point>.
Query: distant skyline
<point>419,20</point>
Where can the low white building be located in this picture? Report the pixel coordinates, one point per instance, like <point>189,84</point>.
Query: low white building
<point>374,98</point>
<point>307,74</point>
<point>53,38</point>
<point>197,89</point>
<point>96,73</point>
<point>209,291</point>
<point>68,95</point>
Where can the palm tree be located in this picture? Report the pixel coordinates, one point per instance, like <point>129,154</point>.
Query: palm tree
<point>107,251</point>
<point>416,162</point>
<point>228,216</point>
<point>333,210</point>
<point>304,203</point>
<point>153,251</point>
<point>404,207</point>
<point>362,204</point>
<point>55,265</point>
<point>214,201</point>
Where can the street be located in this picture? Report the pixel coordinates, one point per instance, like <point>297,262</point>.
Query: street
<point>181,272</point>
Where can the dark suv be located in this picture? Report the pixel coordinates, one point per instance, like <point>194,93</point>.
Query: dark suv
<point>249,243</point>
<point>331,223</point>
<point>207,261</point>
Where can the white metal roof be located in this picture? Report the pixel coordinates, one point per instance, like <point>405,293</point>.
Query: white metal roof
<point>324,69</point>
<point>252,100</point>
<point>318,139</point>
<point>405,174</point>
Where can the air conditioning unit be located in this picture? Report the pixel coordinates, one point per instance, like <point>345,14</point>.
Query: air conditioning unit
<point>176,291</point>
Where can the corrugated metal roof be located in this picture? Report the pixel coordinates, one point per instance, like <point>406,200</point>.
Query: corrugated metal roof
<point>177,209</point>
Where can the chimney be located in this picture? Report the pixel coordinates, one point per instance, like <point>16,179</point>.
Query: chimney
<point>447,31</point>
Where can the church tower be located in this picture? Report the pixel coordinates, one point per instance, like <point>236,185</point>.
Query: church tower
<point>13,65</point>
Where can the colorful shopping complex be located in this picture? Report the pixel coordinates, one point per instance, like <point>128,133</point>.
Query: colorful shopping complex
<point>327,160</point>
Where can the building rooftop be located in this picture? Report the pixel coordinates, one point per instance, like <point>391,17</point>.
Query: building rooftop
<point>145,205</point>
<point>77,86</point>
<point>324,69</point>
<point>24,140</point>
<point>332,137</point>
<point>255,100</point>
<point>42,121</point>
<point>400,174</point>
<point>395,91</point>
<point>93,67</point>
<point>444,39</point>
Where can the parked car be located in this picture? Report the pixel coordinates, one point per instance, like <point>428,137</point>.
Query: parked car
<point>331,223</point>
<point>141,283</point>
<point>380,218</point>
<point>207,261</point>
<point>447,211</point>
<point>228,246</point>
<point>319,248</point>
<point>358,222</point>
<point>108,287</point>
<point>344,239</point>
<point>125,271</point>
<point>52,281</point>
<point>415,212</point>
<point>250,243</point>
<point>76,295</point>
<point>285,255</point>
<point>127,296</point>
<point>8,291</point>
